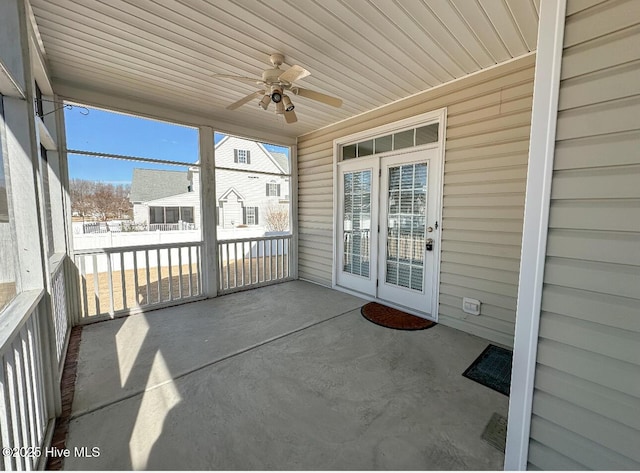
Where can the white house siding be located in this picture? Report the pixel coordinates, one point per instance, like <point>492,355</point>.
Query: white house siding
<point>586,405</point>
<point>187,199</point>
<point>260,159</point>
<point>487,142</point>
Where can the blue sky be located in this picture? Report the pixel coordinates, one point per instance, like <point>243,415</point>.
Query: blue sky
<point>114,133</point>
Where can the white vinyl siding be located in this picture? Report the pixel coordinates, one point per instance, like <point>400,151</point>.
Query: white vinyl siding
<point>487,143</point>
<point>587,382</point>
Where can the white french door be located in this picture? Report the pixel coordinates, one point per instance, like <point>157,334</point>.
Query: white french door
<point>387,220</point>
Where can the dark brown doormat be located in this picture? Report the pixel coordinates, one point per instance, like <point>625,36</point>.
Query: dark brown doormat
<point>393,318</point>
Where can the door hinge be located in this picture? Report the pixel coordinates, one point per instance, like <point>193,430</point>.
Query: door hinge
<point>436,225</point>
<point>378,228</point>
<point>377,283</point>
<point>379,172</point>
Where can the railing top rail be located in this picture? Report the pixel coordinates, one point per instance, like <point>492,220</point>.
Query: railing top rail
<point>22,307</point>
<point>124,249</point>
<point>266,238</point>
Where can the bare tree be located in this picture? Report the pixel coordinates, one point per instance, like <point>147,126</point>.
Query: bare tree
<point>100,200</point>
<point>277,217</point>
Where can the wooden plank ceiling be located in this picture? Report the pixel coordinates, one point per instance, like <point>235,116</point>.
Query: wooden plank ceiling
<point>367,52</point>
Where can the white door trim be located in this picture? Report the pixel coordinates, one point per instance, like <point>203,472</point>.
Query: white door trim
<point>534,239</point>
<point>435,116</point>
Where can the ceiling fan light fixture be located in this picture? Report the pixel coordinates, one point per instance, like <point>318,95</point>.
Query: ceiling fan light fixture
<point>288,106</point>
<point>276,94</point>
<point>264,103</point>
<point>279,108</point>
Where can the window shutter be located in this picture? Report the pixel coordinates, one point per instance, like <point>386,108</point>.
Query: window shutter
<point>244,215</point>
<point>256,214</point>
<point>235,155</point>
<point>248,157</point>
<point>267,184</point>
<point>278,190</point>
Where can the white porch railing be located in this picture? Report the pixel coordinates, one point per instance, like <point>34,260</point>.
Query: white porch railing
<point>167,227</point>
<point>122,280</point>
<point>24,411</point>
<point>59,310</point>
<point>252,262</point>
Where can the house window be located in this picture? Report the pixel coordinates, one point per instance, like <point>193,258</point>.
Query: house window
<point>273,189</point>
<point>156,215</point>
<point>172,214</point>
<point>250,215</point>
<point>186,214</point>
<point>241,156</point>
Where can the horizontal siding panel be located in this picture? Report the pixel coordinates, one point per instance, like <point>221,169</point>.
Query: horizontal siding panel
<point>506,277</point>
<point>610,215</point>
<point>596,151</point>
<point>599,21</point>
<point>477,330</point>
<point>482,285</point>
<point>489,150</point>
<point>479,126</point>
<point>575,6</point>
<point>604,183</point>
<point>614,279</point>
<point>485,212</point>
<point>598,338</point>
<point>602,400</point>
<point>615,311</point>
<point>594,427</point>
<point>487,249</point>
<point>505,95</point>
<point>602,53</point>
<point>497,300</point>
<point>479,164</point>
<point>545,458</point>
<point>505,200</point>
<point>587,454</point>
<point>483,175</point>
<point>609,117</point>
<point>511,239</point>
<point>311,274</point>
<point>482,260</point>
<point>590,366</point>
<point>494,187</point>
<point>494,137</point>
<point>499,225</point>
<point>601,246</point>
<point>601,86</point>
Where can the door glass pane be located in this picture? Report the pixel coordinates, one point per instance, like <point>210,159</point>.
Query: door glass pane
<point>403,139</point>
<point>365,148</point>
<point>406,220</point>
<point>384,144</point>
<point>356,222</point>
<point>427,134</point>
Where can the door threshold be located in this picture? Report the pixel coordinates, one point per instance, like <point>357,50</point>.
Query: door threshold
<point>370,298</point>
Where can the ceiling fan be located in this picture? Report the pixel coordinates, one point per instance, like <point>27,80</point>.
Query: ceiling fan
<point>276,82</point>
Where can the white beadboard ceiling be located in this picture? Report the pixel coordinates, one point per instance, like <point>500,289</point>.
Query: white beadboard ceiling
<point>367,52</point>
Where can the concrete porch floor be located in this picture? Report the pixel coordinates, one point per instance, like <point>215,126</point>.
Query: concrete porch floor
<point>287,377</point>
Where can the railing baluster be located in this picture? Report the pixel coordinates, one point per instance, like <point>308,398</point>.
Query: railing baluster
<point>148,276</point>
<point>242,244</point>
<point>180,273</point>
<point>235,264</point>
<point>199,268</point>
<point>16,441</point>
<point>136,286</point>
<point>96,286</point>
<point>122,281</point>
<point>228,270</point>
<point>170,274</point>
<point>28,367</point>
<point>22,395</point>
<point>83,279</point>
<point>159,275</point>
<point>35,376</point>
<point>264,257</point>
<point>110,276</point>
<point>190,248</point>
<point>6,426</point>
<point>220,267</point>
<point>250,262</point>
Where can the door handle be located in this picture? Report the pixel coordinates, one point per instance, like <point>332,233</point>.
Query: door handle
<point>429,244</point>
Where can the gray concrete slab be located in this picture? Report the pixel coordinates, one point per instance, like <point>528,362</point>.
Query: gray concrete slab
<point>117,357</point>
<point>340,394</point>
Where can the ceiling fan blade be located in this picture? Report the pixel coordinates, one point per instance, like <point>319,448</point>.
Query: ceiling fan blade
<point>247,80</point>
<point>294,73</point>
<point>290,117</point>
<point>246,99</point>
<point>317,96</point>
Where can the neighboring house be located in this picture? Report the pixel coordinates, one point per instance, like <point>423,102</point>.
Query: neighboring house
<point>164,200</point>
<point>251,182</point>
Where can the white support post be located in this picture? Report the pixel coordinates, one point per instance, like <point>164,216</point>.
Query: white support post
<point>208,212</point>
<point>293,221</point>
<point>534,238</point>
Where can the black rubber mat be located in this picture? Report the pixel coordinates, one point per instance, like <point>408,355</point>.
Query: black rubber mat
<point>492,369</point>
